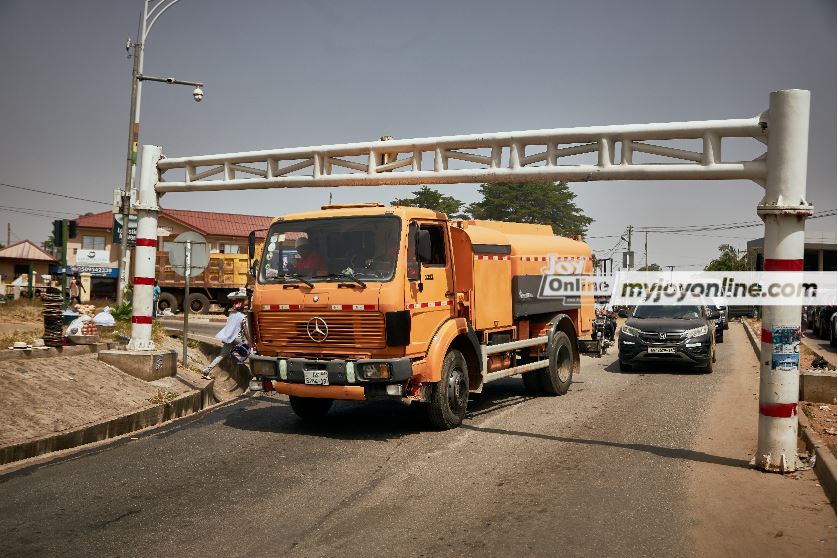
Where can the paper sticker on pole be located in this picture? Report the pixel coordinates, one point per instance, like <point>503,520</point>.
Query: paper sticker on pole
<point>200,253</point>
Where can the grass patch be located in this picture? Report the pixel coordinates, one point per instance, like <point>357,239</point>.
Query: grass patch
<point>807,411</point>
<point>162,396</point>
<point>22,310</point>
<point>8,339</point>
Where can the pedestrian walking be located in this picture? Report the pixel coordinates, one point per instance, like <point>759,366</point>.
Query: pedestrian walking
<point>155,295</point>
<point>75,290</point>
<point>231,335</point>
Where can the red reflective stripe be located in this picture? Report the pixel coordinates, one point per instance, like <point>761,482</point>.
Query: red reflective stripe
<point>435,304</point>
<point>144,280</point>
<point>151,242</point>
<point>141,319</point>
<point>778,410</point>
<point>767,337</point>
<point>783,265</point>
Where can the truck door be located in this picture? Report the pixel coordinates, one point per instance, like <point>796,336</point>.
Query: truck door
<point>430,292</point>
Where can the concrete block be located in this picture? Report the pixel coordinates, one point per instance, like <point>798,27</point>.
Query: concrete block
<point>145,365</point>
<point>818,386</point>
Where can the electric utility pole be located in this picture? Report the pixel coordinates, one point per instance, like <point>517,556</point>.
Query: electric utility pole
<point>149,17</point>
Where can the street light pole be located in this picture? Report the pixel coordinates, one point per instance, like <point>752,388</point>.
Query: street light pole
<point>152,10</point>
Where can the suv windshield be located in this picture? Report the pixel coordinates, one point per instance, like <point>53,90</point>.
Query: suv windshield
<point>671,312</point>
<point>331,249</point>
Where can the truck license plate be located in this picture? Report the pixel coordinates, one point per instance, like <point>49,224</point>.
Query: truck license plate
<point>661,349</point>
<point>316,377</point>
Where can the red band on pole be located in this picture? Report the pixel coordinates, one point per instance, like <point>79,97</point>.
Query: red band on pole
<point>767,337</point>
<point>141,320</point>
<point>783,265</point>
<point>778,410</point>
<point>144,281</point>
<point>150,242</point>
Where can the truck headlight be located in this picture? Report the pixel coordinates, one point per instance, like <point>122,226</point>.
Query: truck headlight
<point>628,330</point>
<point>696,332</point>
<point>376,370</point>
<point>264,368</point>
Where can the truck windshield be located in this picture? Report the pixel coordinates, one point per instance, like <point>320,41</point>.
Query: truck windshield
<point>343,249</point>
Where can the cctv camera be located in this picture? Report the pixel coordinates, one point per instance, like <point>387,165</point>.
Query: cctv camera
<point>198,94</point>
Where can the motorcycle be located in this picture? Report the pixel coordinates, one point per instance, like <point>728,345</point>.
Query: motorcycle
<point>602,337</point>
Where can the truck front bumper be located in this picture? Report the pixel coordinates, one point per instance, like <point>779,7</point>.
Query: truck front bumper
<point>362,372</point>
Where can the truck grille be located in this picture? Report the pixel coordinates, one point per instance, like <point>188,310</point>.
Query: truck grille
<point>286,330</point>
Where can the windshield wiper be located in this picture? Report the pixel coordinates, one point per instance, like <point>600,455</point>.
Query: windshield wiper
<point>349,276</point>
<point>298,277</point>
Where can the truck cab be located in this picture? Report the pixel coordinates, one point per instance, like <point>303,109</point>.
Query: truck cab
<point>365,301</point>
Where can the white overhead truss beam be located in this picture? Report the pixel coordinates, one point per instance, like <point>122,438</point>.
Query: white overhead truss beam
<point>544,155</point>
<point>507,156</point>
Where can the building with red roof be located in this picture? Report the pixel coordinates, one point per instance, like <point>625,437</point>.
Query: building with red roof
<point>95,249</point>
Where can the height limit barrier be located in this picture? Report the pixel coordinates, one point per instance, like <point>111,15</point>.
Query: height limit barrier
<point>542,155</point>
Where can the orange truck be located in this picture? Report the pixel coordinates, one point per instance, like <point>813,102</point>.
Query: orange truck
<point>363,301</point>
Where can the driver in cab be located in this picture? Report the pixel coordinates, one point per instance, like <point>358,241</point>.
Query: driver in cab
<point>309,263</point>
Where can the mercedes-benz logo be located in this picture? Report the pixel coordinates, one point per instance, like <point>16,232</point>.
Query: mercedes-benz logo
<point>317,329</point>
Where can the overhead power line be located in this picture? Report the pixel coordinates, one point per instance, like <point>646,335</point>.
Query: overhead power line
<point>39,209</point>
<point>53,194</point>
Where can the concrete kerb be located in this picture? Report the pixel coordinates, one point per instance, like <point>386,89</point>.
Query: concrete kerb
<point>69,350</point>
<point>825,462</point>
<point>117,426</point>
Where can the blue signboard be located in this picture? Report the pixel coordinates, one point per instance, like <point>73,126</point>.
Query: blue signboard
<point>78,269</point>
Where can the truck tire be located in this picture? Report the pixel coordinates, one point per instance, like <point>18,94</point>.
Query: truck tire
<point>166,300</point>
<point>198,303</point>
<point>310,409</point>
<point>556,378</point>
<point>449,397</point>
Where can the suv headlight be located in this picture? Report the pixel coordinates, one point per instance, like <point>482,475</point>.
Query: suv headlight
<point>696,332</point>
<point>628,330</point>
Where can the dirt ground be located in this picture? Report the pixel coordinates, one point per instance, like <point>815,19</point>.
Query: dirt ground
<point>789,515</point>
<point>822,420</point>
<point>42,396</point>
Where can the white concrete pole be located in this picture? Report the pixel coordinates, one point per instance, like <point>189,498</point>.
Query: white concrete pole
<point>145,253</point>
<point>784,210</point>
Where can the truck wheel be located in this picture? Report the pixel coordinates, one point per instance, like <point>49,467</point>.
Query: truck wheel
<point>310,409</point>
<point>166,300</point>
<point>556,379</point>
<point>449,397</point>
<point>198,303</point>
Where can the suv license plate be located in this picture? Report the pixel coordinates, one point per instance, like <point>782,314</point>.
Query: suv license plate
<point>657,350</point>
<point>316,377</point>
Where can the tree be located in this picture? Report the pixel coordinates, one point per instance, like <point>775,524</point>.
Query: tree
<point>545,203</point>
<point>728,260</point>
<point>433,200</point>
<point>650,267</point>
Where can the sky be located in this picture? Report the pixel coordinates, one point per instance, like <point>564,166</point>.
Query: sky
<point>291,74</point>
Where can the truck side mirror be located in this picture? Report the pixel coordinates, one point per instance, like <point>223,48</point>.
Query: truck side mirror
<point>251,245</point>
<point>423,246</point>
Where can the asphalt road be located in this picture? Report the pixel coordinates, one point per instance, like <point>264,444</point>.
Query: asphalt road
<point>602,471</point>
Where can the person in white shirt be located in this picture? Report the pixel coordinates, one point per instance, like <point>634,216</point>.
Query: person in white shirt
<point>231,335</point>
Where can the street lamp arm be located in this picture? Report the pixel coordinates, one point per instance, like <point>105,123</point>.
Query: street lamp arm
<point>157,15</point>
<point>169,80</point>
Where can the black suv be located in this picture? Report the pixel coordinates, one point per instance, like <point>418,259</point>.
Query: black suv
<point>675,334</point>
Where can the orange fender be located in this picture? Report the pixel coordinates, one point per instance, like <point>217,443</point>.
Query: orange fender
<point>430,369</point>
